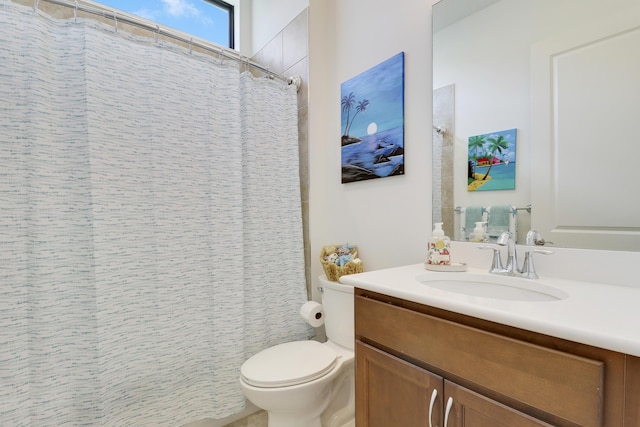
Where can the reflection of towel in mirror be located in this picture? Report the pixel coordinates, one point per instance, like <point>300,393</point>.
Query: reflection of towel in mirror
<point>498,220</point>
<point>472,214</point>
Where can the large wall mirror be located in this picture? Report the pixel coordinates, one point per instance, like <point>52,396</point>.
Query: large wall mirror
<point>545,95</point>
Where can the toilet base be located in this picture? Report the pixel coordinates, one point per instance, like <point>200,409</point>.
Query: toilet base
<point>338,404</point>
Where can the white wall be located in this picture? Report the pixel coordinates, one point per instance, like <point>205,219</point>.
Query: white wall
<point>388,218</point>
<point>269,17</point>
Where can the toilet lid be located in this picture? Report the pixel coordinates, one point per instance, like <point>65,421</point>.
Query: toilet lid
<point>288,364</point>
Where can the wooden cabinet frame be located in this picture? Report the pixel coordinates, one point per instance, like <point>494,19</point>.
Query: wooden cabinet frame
<point>553,381</point>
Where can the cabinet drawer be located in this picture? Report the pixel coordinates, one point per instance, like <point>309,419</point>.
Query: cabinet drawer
<point>564,385</point>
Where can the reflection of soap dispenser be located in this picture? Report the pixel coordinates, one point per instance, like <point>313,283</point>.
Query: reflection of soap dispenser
<point>478,234</point>
<point>439,247</point>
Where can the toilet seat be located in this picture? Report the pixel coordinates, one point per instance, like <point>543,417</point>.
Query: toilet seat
<point>289,364</point>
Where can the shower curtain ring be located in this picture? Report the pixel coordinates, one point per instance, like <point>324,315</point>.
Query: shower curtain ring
<point>191,45</point>
<point>157,33</point>
<point>35,5</point>
<point>75,12</point>
<point>115,20</point>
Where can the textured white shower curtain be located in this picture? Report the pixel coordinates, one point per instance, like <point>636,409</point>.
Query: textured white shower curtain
<point>150,226</point>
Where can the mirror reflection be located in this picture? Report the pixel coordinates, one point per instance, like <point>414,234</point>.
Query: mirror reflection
<point>534,120</point>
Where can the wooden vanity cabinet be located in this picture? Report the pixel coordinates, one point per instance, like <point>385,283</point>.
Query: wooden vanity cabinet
<point>416,396</point>
<point>411,359</point>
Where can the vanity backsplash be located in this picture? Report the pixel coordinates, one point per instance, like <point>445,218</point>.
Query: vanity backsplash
<point>606,267</point>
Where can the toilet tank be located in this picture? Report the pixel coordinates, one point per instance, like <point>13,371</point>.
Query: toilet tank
<point>337,305</point>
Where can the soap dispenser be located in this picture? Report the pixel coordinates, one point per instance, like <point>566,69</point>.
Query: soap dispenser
<point>478,234</point>
<point>439,247</point>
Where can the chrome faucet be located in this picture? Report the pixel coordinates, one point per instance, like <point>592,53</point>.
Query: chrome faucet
<point>512,268</point>
<point>507,239</point>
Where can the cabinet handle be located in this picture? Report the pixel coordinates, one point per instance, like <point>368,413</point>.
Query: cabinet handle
<point>446,412</point>
<point>434,394</point>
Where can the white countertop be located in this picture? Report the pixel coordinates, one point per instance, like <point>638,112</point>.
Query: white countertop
<point>601,315</point>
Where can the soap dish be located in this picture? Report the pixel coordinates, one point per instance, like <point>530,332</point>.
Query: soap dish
<point>454,266</point>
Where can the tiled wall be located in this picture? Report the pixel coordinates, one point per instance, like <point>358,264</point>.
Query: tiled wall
<point>443,155</point>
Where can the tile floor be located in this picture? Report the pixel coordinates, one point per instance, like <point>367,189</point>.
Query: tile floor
<point>259,419</point>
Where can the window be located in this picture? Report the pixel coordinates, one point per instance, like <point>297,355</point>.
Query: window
<point>210,20</point>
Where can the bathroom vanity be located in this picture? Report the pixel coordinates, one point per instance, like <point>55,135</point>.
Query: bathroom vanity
<point>429,357</point>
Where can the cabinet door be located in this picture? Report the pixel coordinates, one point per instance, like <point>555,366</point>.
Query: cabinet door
<point>471,409</point>
<point>392,392</point>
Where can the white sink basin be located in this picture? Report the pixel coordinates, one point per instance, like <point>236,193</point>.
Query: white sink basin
<point>493,286</point>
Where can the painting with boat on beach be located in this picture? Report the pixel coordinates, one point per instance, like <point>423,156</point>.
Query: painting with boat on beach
<point>372,122</point>
<point>492,161</point>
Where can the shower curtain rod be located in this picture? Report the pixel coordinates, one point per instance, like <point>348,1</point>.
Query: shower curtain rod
<point>159,31</point>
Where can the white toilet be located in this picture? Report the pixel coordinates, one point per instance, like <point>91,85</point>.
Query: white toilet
<point>308,383</point>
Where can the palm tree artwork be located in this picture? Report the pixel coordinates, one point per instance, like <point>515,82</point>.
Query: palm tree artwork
<point>347,104</point>
<point>476,143</point>
<point>372,122</point>
<point>360,108</point>
<point>496,152</point>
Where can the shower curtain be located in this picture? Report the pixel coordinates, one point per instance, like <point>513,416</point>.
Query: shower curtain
<point>150,226</point>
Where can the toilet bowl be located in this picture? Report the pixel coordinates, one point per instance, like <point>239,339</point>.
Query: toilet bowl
<point>308,383</point>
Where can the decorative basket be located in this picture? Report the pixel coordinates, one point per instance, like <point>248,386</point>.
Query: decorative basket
<point>334,271</point>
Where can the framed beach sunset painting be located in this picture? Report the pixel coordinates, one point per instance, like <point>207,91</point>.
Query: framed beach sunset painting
<point>492,161</point>
<point>372,120</point>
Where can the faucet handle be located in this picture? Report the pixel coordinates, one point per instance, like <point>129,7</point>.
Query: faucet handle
<point>496,263</point>
<point>504,237</point>
<point>528,268</point>
<point>534,238</point>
